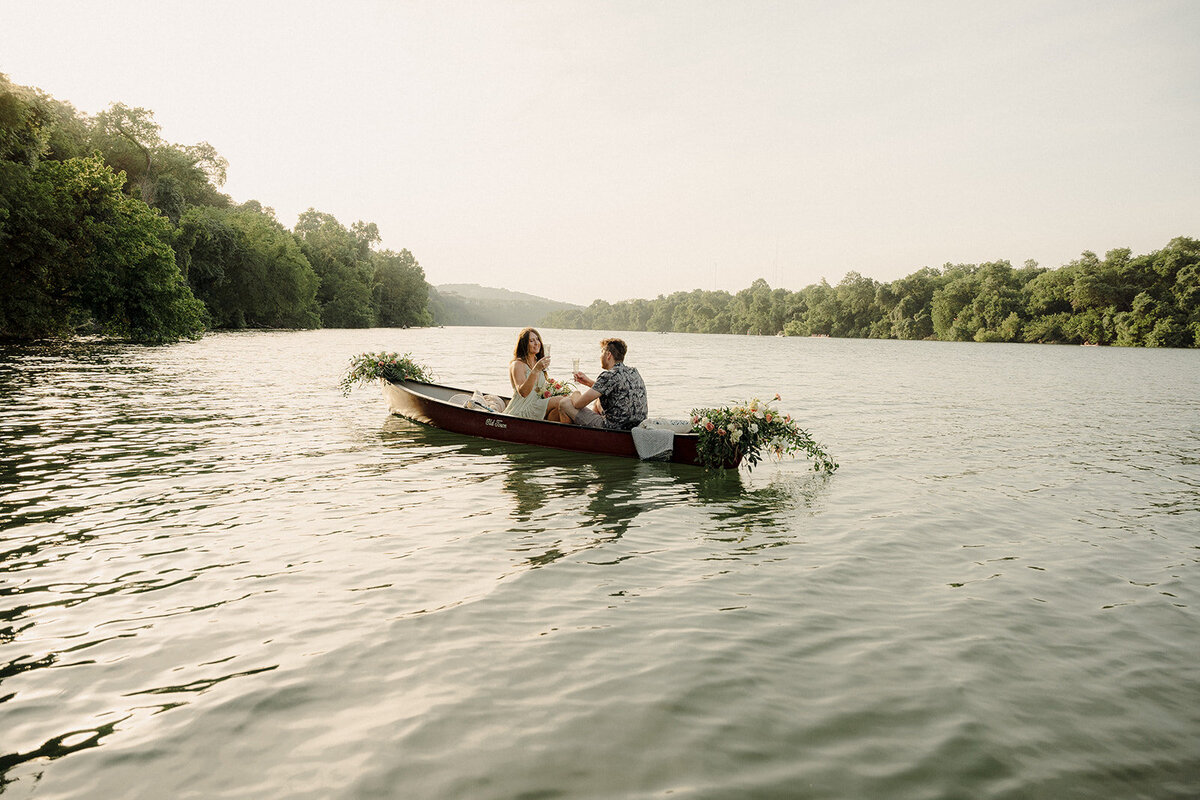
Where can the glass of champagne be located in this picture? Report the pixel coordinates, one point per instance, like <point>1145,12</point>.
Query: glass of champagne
<point>574,365</point>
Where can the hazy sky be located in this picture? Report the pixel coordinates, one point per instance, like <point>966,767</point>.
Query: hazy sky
<point>625,149</point>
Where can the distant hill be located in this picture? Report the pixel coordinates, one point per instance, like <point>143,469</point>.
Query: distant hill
<point>472,304</point>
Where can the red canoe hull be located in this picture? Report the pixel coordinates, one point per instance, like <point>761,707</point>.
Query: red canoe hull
<point>428,403</point>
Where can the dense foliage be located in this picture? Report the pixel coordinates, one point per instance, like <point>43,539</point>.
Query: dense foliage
<point>1150,300</point>
<point>369,367</point>
<point>247,268</point>
<point>107,228</point>
<point>75,251</point>
<point>749,430</point>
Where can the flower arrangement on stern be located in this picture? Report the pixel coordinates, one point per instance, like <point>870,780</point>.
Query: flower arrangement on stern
<point>749,430</point>
<point>369,367</point>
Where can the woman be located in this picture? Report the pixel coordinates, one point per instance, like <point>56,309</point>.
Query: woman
<point>527,373</point>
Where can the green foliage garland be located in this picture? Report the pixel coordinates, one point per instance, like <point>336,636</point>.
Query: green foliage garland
<point>749,430</point>
<point>367,367</point>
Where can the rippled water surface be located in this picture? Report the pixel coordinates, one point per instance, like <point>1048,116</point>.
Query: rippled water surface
<point>220,578</point>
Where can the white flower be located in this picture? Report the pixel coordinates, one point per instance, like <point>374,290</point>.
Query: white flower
<point>758,414</point>
<point>753,427</point>
<point>737,434</point>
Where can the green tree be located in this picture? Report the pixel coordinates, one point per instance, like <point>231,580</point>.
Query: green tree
<point>910,314</point>
<point>36,127</point>
<point>76,251</point>
<point>166,176</point>
<point>34,285</point>
<point>403,292</point>
<point>821,311</point>
<point>1096,283</point>
<point>998,305</point>
<point>342,260</point>
<point>247,268</point>
<point>1135,327</point>
<point>952,307</point>
<point>856,309</point>
<point>1187,298</point>
<point>661,320</point>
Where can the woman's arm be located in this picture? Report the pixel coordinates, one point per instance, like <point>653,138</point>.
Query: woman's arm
<point>523,378</point>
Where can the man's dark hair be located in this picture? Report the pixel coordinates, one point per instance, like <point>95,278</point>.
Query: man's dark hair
<point>616,347</point>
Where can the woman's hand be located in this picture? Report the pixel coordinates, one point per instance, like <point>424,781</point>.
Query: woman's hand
<point>542,363</point>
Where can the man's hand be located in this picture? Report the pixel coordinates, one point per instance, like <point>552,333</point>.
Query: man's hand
<point>581,399</point>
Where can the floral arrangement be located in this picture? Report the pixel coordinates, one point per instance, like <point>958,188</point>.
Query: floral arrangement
<point>555,388</point>
<point>367,367</point>
<point>749,430</point>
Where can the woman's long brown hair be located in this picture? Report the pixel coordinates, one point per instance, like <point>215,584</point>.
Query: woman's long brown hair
<point>522,350</point>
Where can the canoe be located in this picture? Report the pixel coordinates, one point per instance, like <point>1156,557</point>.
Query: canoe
<point>429,403</point>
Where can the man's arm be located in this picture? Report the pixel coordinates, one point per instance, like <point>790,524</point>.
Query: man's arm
<point>579,400</point>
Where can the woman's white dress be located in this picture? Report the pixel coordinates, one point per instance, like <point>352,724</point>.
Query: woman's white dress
<point>533,406</point>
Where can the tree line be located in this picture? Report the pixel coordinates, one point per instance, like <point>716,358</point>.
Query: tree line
<point>1150,300</point>
<point>107,228</point>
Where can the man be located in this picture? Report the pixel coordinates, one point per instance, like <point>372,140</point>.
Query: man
<point>619,392</point>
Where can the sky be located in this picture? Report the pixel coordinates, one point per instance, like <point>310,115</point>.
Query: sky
<point>612,150</point>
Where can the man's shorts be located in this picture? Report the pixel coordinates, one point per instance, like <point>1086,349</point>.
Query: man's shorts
<point>588,418</point>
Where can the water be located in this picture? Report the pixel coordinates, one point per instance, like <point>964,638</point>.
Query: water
<point>220,578</point>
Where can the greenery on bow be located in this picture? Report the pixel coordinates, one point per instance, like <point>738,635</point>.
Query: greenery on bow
<point>367,367</point>
<point>749,430</point>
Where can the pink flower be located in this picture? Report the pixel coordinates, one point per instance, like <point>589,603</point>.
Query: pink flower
<point>695,420</point>
<point>768,418</point>
<point>777,397</point>
<point>721,432</point>
<point>708,426</point>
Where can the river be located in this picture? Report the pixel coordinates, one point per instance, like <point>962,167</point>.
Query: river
<point>221,578</point>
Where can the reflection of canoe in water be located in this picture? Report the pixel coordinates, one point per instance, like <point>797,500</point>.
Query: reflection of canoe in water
<point>430,403</point>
